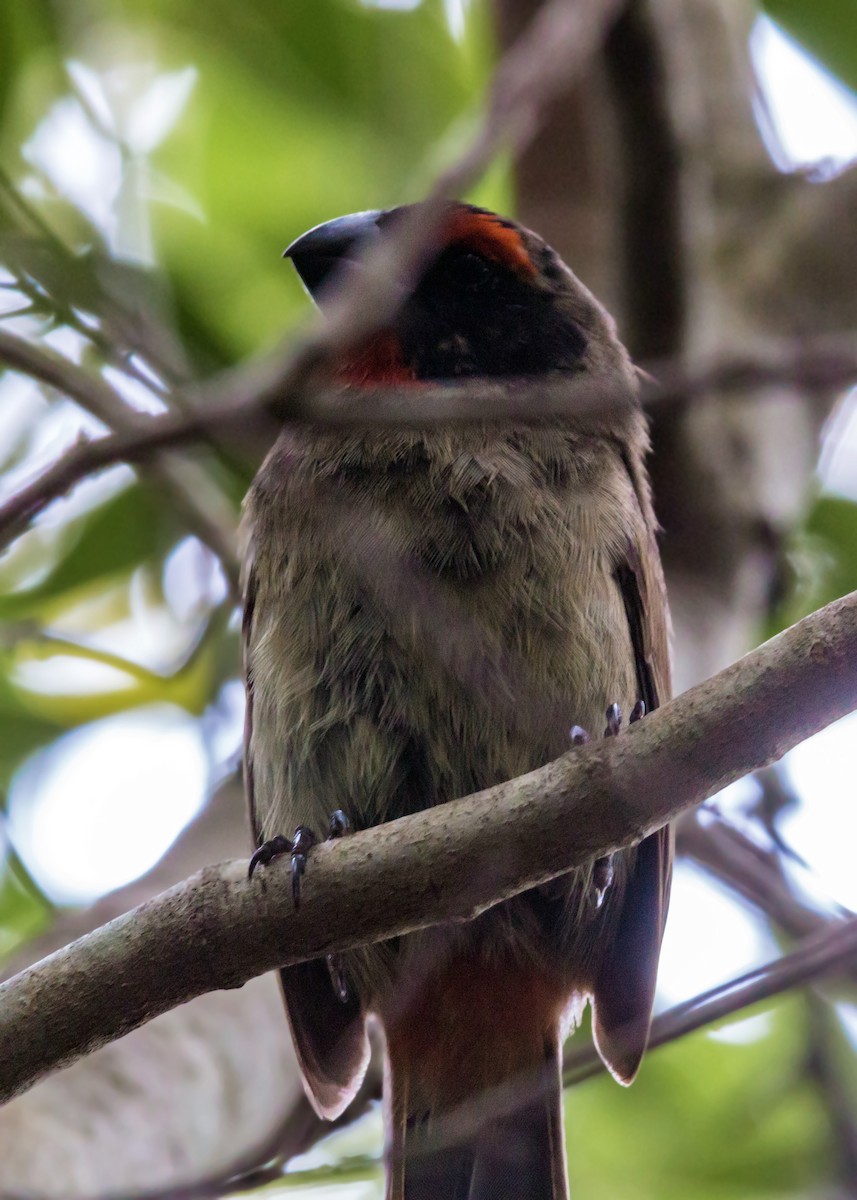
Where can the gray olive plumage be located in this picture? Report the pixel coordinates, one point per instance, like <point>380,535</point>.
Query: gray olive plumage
<point>427,612</point>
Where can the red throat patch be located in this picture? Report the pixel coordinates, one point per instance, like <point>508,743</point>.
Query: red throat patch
<point>379,361</point>
<point>491,236</point>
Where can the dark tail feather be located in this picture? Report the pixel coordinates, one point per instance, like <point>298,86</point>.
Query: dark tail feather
<point>515,1152</point>
<point>625,985</point>
<point>522,1156</point>
<point>329,1035</point>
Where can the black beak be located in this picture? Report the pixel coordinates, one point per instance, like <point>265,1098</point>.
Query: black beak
<point>319,253</point>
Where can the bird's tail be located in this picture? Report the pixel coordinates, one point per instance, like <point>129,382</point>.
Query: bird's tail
<point>471,1115</point>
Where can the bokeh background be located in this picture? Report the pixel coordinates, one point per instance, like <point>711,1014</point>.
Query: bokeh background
<point>156,156</point>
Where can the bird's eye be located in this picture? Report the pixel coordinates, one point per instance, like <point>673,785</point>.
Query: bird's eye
<point>470,270</point>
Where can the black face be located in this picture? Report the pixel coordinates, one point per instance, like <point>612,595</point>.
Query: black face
<point>471,314</point>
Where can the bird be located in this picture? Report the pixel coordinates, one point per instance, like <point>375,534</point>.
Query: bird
<point>433,609</point>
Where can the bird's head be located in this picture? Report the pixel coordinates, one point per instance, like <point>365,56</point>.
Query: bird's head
<point>495,300</point>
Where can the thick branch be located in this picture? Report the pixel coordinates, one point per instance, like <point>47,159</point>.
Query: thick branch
<point>219,929</point>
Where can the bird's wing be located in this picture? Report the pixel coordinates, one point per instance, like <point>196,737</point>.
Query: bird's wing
<point>625,984</point>
<point>329,1033</point>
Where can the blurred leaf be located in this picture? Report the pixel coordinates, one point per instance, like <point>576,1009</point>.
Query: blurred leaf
<point>190,688</point>
<point>303,111</point>
<point>827,29</point>
<point>29,43</point>
<point>128,302</point>
<point>23,734</point>
<point>23,911</point>
<point>823,556</point>
<point>833,521</point>
<point>128,529</point>
<point>706,1119</point>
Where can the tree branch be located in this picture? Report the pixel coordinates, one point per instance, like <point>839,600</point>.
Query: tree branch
<point>195,494</point>
<point>822,362</point>
<point>360,300</point>
<point>218,929</point>
<point>822,955</point>
<point>827,1048</point>
<point>751,871</point>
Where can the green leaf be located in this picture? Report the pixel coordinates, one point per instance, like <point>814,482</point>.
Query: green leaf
<point>706,1120</point>
<point>827,29</point>
<point>122,533</point>
<point>23,733</point>
<point>823,558</point>
<point>30,65</point>
<point>24,913</point>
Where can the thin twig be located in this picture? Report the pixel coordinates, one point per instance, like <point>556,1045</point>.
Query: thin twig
<point>827,362</point>
<point>825,1046</point>
<point>822,954</point>
<point>752,871</point>
<point>62,309</point>
<point>43,364</point>
<point>195,495</point>
<point>559,42</point>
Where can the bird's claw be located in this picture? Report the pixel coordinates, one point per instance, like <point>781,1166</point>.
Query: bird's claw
<point>602,877</point>
<point>298,847</point>
<point>268,851</point>
<point>303,842</point>
<point>337,825</point>
<point>337,977</point>
<point>579,736</point>
<point>614,717</point>
<point>602,868</point>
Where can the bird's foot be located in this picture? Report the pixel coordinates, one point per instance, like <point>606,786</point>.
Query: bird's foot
<point>614,717</point>
<point>303,842</point>
<point>337,825</point>
<point>602,868</point>
<point>602,877</point>
<point>338,978</point>
<point>298,847</point>
<point>268,851</point>
<point>579,736</point>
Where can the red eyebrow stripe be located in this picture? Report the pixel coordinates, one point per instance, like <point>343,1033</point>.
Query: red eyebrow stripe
<point>488,235</point>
